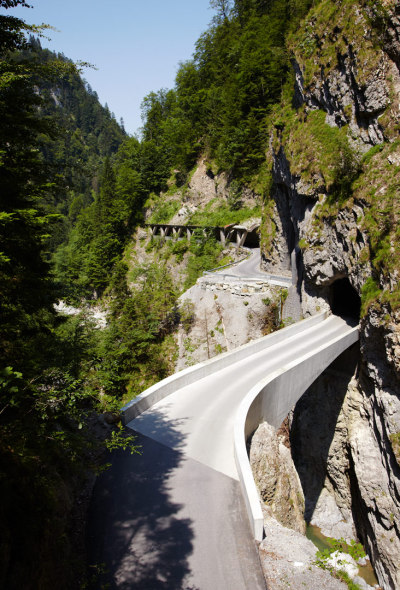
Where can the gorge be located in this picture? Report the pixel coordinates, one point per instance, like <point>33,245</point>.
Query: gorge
<point>284,125</point>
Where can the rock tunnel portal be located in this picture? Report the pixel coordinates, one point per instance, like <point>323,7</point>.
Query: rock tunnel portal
<point>344,299</point>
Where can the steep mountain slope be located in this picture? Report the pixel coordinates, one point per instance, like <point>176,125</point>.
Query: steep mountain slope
<point>334,209</point>
<point>47,442</point>
<point>330,188</point>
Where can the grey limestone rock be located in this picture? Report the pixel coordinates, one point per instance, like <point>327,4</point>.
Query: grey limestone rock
<point>276,478</point>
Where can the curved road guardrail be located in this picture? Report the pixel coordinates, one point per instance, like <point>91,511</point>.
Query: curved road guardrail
<point>270,400</point>
<point>170,384</point>
<point>293,358</point>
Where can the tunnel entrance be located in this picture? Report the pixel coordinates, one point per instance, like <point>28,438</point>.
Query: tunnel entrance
<point>252,240</point>
<point>344,299</point>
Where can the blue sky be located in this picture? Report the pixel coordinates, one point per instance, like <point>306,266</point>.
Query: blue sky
<point>135,44</point>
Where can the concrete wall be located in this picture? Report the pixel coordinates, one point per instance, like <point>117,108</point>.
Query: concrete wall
<point>270,401</point>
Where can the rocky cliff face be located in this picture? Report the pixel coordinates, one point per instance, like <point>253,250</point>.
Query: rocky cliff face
<point>277,478</point>
<point>335,159</point>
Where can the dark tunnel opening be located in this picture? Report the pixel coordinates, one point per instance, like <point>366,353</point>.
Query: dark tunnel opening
<point>252,240</point>
<point>344,299</point>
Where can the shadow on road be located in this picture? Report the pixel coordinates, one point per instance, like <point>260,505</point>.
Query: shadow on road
<point>135,534</point>
<point>158,425</point>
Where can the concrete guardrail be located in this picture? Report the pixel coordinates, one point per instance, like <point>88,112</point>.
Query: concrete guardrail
<point>270,400</point>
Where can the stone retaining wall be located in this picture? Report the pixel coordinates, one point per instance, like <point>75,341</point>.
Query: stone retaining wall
<point>240,287</point>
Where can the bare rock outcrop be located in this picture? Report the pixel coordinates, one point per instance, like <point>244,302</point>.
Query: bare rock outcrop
<point>206,188</point>
<point>319,436</point>
<point>287,558</point>
<point>276,478</point>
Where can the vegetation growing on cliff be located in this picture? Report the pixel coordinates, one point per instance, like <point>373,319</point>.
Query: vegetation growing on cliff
<point>73,188</point>
<point>321,145</point>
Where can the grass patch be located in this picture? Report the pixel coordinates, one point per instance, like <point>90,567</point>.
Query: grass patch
<point>370,293</point>
<point>220,214</point>
<point>164,211</point>
<point>395,441</point>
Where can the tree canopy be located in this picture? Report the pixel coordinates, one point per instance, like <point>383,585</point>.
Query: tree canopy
<point>223,95</point>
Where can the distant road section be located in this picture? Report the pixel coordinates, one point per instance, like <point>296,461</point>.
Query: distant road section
<point>250,269</point>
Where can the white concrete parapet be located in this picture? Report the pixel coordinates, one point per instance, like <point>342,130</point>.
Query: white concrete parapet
<point>270,400</point>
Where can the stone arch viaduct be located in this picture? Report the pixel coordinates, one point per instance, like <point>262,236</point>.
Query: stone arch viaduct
<point>238,234</point>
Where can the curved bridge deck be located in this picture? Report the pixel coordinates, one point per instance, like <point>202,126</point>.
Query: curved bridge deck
<point>188,463</point>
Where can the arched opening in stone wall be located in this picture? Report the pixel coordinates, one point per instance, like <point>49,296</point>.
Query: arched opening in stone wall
<point>344,299</point>
<point>252,239</point>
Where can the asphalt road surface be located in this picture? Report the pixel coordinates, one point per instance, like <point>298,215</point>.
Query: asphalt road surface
<point>249,267</point>
<point>173,517</point>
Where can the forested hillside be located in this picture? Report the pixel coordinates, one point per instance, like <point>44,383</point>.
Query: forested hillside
<point>219,107</point>
<point>223,95</point>
<point>287,107</point>
<point>54,137</point>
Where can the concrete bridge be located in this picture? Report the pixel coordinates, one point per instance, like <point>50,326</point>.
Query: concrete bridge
<point>186,513</point>
<point>238,234</point>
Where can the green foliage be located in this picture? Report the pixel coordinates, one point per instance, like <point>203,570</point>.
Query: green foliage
<point>84,264</point>
<point>140,319</point>
<point>222,96</point>
<point>204,253</point>
<point>346,168</point>
<point>219,349</point>
<point>235,195</point>
<point>271,318</point>
<point>10,381</point>
<point>179,248</point>
<point>87,133</point>
<point>344,576</point>
<point>26,221</point>
<point>216,214</point>
<point>370,293</point>
<point>367,157</point>
<point>45,406</point>
<point>354,549</point>
<point>303,244</point>
<point>165,211</point>
<point>337,161</point>
<point>120,440</point>
<point>187,314</point>
<point>316,44</point>
<point>379,188</point>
